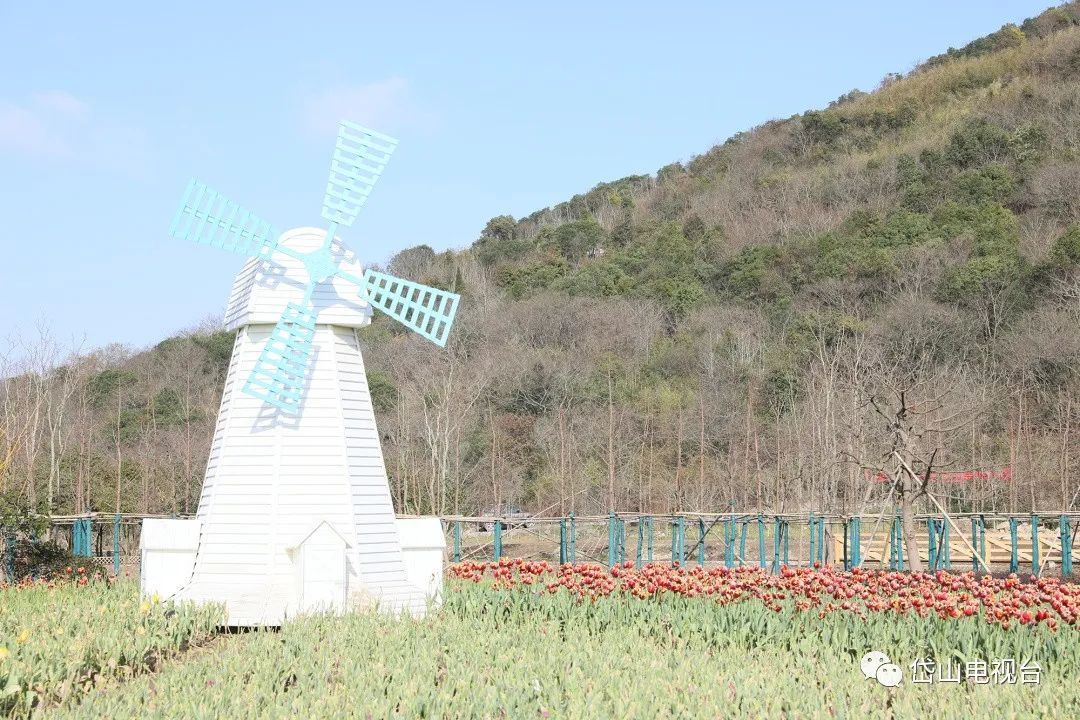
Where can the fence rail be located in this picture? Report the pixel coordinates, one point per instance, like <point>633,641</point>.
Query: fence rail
<point>1038,542</point>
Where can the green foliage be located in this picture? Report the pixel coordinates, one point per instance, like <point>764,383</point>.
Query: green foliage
<point>823,126</point>
<point>1065,252</point>
<point>978,142</point>
<point>756,272</point>
<point>598,279</point>
<point>218,347</point>
<point>500,242</point>
<point>681,295</point>
<point>575,239</point>
<point>1009,36</point>
<point>418,255</point>
<point>384,393</point>
<point>500,228</point>
<point>993,228</point>
<point>623,232</point>
<point>21,529</point>
<point>168,408</point>
<point>104,386</point>
<point>520,281</point>
<point>840,256</point>
<point>981,276</point>
<point>694,229</point>
<point>991,184</point>
<point>64,641</point>
<point>18,517</point>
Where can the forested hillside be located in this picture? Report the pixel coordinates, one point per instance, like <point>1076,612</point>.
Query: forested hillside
<point>890,282</point>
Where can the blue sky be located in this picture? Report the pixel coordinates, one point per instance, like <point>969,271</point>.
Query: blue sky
<point>107,109</point>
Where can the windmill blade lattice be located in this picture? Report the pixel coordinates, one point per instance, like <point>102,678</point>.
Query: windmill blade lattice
<point>280,372</point>
<point>425,310</point>
<point>208,217</point>
<point>360,156</point>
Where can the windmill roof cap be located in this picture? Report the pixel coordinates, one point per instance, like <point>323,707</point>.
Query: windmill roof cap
<point>264,286</point>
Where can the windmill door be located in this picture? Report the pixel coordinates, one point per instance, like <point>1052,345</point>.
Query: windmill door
<point>323,579</point>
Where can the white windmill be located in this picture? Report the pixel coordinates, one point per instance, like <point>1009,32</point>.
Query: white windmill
<point>295,513</point>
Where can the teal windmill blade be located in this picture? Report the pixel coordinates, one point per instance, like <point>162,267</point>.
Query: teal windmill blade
<point>280,373</point>
<point>425,310</point>
<point>360,156</point>
<point>281,369</point>
<point>209,218</point>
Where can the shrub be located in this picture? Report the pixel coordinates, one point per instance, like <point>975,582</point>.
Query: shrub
<point>991,184</point>
<point>981,276</point>
<point>519,281</point>
<point>1065,252</point>
<point>577,238</point>
<point>596,280</point>
<point>977,142</point>
<point>994,228</point>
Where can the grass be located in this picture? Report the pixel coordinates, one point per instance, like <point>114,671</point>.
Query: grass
<point>64,639</point>
<point>520,654</point>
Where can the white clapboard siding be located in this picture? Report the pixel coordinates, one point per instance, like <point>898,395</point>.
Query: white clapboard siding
<point>272,478</point>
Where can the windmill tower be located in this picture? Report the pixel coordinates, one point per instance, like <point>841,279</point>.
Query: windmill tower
<point>295,513</point>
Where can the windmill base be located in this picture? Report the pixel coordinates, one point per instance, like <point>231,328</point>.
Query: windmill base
<point>168,559</point>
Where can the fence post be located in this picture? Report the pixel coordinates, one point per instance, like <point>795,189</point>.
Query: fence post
<point>776,544</point>
<point>787,542</point>
<point>975,543</point>
<point>897,554</point>
<point>1014,559</point>
<point>649,537</point>
<point>640,539</point>
<point>856,542</point>
<point>813,540</point>
<point>945,547</point>
<point>978,541</point>
<point>1066,546</point>
<point>822,555</point>
<point>88,537</point>
<point>982,539</point>
<point>116,544</point>
<point>573,540</point>
<point>678,540</point>
<point>701,542</point>
<point>496,529</point>
<point>621,531</point>
<point>457,541</point>
<point>1034,544</point>
<point>83,525</point>
<point>761,540</point>
<point>611,539</point>
<point>562,541</point>
<point>742,542</point>
<point>931,528</point>
<point>947,557</point>
<point>682,541</point>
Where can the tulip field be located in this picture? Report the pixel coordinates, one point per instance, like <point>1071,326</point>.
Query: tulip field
<point>63,639</point>
<point>518,639</point>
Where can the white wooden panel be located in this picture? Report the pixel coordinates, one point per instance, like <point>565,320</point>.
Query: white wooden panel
<point>272,477</point>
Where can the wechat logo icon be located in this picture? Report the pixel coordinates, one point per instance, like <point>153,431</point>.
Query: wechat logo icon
<point>877,665</point>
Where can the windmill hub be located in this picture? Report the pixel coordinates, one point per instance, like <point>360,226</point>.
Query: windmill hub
<point>320,264</point>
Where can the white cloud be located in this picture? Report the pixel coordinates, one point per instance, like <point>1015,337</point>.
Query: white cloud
<point>60,102</point>
<point>33,128</point>
<point>383,105</point>
<point>54,124</point>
